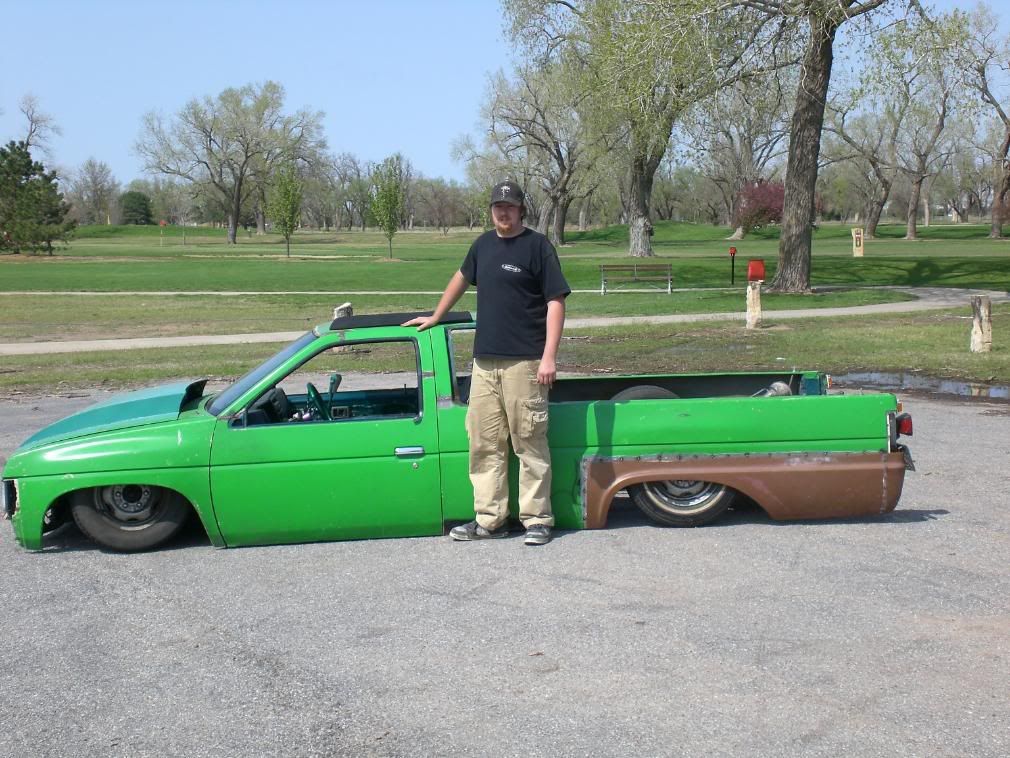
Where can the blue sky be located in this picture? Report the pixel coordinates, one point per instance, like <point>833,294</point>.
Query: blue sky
<point>390,75</point>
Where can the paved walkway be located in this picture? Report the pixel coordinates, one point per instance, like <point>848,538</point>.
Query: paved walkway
<point>929,298</point>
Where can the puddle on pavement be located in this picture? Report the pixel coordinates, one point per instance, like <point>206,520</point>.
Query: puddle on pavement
<point>915,382</point>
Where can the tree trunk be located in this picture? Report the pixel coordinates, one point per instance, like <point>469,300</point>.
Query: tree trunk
<point>999,203</point>
<point>233,227</point>
<point>560,218</point>
<point>546,211</point>
<point>873,211</point>
<point>737,235</point>
<point>261,221</point>
<point>287,244</point>
<point>925,206</point>
<point>793,274</point>
<point>584,215</point>
<point>913,209</point>
<point>639,195</point>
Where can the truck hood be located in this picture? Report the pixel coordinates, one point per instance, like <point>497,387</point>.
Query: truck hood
<point>147,406</point>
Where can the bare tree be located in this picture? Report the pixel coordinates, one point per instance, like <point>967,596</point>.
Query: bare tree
<point>869,137</point>
<point>440,202</point>
<point>356,188</point>
<point>41,128</point>
<point>985,59</point>
<point>737,136</point>
<point>220,143</point>
<point>539,114</point>
<point>93,193</point>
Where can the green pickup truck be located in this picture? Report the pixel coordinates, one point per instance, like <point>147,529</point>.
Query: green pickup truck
<point>356,430</point>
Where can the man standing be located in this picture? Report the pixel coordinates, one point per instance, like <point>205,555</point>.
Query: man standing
<point>520,314</point>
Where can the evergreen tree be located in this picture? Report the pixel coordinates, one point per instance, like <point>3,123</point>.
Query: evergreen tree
<point>33,214</point>
<point>136,208</point>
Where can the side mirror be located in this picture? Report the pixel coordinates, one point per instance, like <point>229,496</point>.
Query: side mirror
<point>239,420</point>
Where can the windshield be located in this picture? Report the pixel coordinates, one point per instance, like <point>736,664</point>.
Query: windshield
<point>240,387</point>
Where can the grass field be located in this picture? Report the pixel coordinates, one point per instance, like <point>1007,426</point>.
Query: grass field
<point>130,258</point>
<point>144,259</point>
<point>933,344</point>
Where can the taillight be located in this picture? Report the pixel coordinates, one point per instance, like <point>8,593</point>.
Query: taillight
<point>903,424</point>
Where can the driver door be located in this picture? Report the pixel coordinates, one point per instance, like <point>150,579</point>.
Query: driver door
<point>370,470</point>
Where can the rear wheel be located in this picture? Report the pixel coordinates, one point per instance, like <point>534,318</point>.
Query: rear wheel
<point>675,502</point>
<point>129,517</point>
<point>682,502</point>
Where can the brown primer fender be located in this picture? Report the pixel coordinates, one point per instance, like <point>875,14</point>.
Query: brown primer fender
<point>787,486</point>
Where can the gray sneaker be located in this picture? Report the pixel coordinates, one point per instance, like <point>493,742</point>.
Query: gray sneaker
<point>538,534</point>
<point>474,531</point>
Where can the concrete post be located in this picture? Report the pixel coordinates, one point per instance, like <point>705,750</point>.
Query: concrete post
<point>981,324</point>
<point>753,305</point>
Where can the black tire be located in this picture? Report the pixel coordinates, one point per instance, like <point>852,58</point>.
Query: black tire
<point>645,392</point>
<point>129,517</point>
<point>676,502</point>
<point>682,502</point>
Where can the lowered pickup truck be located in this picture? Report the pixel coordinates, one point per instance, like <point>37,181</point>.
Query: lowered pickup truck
<point>356,430</point>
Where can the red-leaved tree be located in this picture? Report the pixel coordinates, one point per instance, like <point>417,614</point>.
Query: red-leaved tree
<point>759,203</point>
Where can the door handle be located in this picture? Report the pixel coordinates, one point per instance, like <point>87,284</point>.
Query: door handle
<point>406,452</point>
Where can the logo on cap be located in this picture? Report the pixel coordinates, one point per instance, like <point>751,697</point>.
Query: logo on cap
<point>505,190</point>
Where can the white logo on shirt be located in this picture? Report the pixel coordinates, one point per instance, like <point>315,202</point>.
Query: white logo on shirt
<point>510,267</point>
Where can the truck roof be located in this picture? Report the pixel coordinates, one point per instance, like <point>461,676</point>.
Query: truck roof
<point>395,319</point>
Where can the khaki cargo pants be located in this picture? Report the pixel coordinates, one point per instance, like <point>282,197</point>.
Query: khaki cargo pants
<point>506,402</point>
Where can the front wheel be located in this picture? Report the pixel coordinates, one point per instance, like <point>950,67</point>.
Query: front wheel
<point>682,502</point>
<point>129,517</point>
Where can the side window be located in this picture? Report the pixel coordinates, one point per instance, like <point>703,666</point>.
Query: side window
<point>362,380</point>
<point>461,346</point>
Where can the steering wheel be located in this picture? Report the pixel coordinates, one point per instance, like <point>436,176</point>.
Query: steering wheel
<point>316,401</point>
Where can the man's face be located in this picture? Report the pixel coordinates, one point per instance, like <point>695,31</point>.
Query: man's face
<point>507,218</point>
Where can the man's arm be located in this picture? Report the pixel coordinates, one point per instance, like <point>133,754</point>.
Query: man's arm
<point>548,370</point>
<point>453,292</point>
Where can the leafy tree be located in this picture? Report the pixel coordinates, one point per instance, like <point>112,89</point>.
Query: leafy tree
<point>284,202</point>
<point>823,18</point>
<point>33,214</point>
<point>644,64</point>
<point>135,208</point>
<point>758,204</point>
<point>387,197</point>
<point>226,144</point>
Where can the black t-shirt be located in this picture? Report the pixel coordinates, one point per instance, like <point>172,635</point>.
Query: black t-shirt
<point>515,277</point>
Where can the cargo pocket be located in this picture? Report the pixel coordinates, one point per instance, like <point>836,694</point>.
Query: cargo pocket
<point>534,420</point>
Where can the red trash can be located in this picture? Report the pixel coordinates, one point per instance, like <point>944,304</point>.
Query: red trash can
<point>756,270</point>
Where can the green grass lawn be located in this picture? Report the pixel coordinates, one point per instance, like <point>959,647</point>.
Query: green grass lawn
<point>133,258</point>
<point>62,317</point>
<point>120,259</point>
<point>933,344</point>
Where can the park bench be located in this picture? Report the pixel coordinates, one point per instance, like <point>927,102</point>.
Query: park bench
<point>636,272</point>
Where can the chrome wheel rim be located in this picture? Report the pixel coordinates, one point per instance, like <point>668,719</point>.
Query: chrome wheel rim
<point>683,496</point>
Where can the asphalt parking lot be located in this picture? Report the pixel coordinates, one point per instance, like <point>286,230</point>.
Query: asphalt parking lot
<point>876,637</point>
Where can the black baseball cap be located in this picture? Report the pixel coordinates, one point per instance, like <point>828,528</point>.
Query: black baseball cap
<point>507,192</point>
